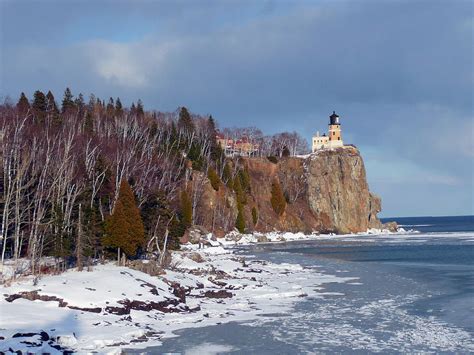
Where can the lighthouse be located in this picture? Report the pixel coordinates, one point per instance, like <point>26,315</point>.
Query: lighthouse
<point>333,139</point>
<point>334,132</point>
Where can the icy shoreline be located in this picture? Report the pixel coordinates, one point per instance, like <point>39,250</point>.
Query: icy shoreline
<point>112,307</point>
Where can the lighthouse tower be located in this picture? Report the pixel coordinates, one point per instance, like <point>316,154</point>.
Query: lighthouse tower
<point>334,132</point>
<point>333,139</point>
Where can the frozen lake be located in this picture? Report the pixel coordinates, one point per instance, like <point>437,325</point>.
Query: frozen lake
<point>415,293</point>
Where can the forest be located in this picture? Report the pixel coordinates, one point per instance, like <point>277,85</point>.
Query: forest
<point>87,180</point>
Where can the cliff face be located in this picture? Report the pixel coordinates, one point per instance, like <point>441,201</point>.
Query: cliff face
<point>338,192</point>
<point>326,192</point>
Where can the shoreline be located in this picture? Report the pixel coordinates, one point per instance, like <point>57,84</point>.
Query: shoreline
<point>112,307</point>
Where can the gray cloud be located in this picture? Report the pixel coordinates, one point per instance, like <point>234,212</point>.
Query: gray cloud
<point>400,73</point>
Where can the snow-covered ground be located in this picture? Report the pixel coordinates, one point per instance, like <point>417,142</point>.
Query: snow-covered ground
<point>112,307</point>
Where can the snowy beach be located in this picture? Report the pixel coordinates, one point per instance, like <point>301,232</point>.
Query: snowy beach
<point>228,285</point>
<point>113,307</point>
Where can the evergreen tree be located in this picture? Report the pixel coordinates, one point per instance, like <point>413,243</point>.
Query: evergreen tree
<point>39,105</point>
<point>245,179</point>
<point>140,109</point>
<point>277,200</point>
<point>227,176</point>
<point>217,153</point>
<point>110,108</point>
<point>157,207</point>
<point>186,210</point>
<point>133,109</point>
<point>213,178</point>
<point>23,104</point>
<point>185,122</point>
<point>124,227</point>
<point>254,215</point>
<point>68,103</point>
<point>239,192</point>
<point>118,107</point>
<point>240,221</point>
<point>92,102</point>
<point>89,123</point>
<point>79,103</point>
<point>51,106</point>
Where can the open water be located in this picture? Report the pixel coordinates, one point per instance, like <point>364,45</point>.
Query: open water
<point>414,294</point>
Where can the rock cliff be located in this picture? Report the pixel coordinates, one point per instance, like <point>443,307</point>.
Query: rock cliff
<point>325,192</point>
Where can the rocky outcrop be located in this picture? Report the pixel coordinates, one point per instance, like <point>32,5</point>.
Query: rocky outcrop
<point>338,193</point>
<point>325,192</point>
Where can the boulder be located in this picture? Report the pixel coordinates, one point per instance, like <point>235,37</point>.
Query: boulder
<point>391,226</point>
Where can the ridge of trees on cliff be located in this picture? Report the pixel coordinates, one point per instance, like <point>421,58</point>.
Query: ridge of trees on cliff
<point>84,180</point>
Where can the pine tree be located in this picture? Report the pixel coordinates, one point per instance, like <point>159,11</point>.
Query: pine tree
<point>110,108</point>
<point>51,106</point>
<point>240,221</point>
<point>68,103</point>
<point>227,176</point>
<point>118,107</point>
<point>254,215</point>
<point>140,109</point>
<point>80,104</point>
<point>124,227</point>
<point>89,123</point>
<point>213,178</point>
<point>278,200</point>
<point>185,122</point>
<point>23,105</point>
<point>239,192</point>
<point>244,177</point>
<point>186,210</point>
<point>39,105</point>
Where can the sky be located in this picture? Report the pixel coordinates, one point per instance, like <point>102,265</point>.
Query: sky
<point>399,73</point>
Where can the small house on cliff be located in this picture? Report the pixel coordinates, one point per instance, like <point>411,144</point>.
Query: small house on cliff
<point>333,139</point>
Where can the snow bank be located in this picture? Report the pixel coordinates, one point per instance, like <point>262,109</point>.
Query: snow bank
<point>87,311</point>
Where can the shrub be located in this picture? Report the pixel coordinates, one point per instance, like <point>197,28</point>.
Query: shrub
<point>227,176</point>
<point>239,192</point>
<point>273,159</point>
<point>278,200</point>
<point>214,178</point>
<point>245,179</point>
<point>254,215</point>
<point>186,210</point>
<point>240,221</point>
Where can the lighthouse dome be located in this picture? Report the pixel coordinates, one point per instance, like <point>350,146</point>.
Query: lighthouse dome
<point>334,118</point>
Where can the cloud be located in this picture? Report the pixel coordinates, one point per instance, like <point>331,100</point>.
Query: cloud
<point>399,73</point>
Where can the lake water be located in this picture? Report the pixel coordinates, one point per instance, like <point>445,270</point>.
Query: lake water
<point>414,293</point>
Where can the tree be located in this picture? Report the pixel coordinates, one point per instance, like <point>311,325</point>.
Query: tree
<point>240,221</point>
<point>110,107</point>
<point>185,121</point>
<point>239,192</point>
<point>244,177</point>
<point>186,210</point>
<point>68,103</point>
<point>277,200</point>
<point>23,105</point>
<point>118,106</point>
<point>140,110</point>
<point>254,216</point>
<point>89,123</point>
<point>227,176</point>
<point>213,178</point>
<point>39,105</point>
<point>51,106</point>
<point>124,227</point>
